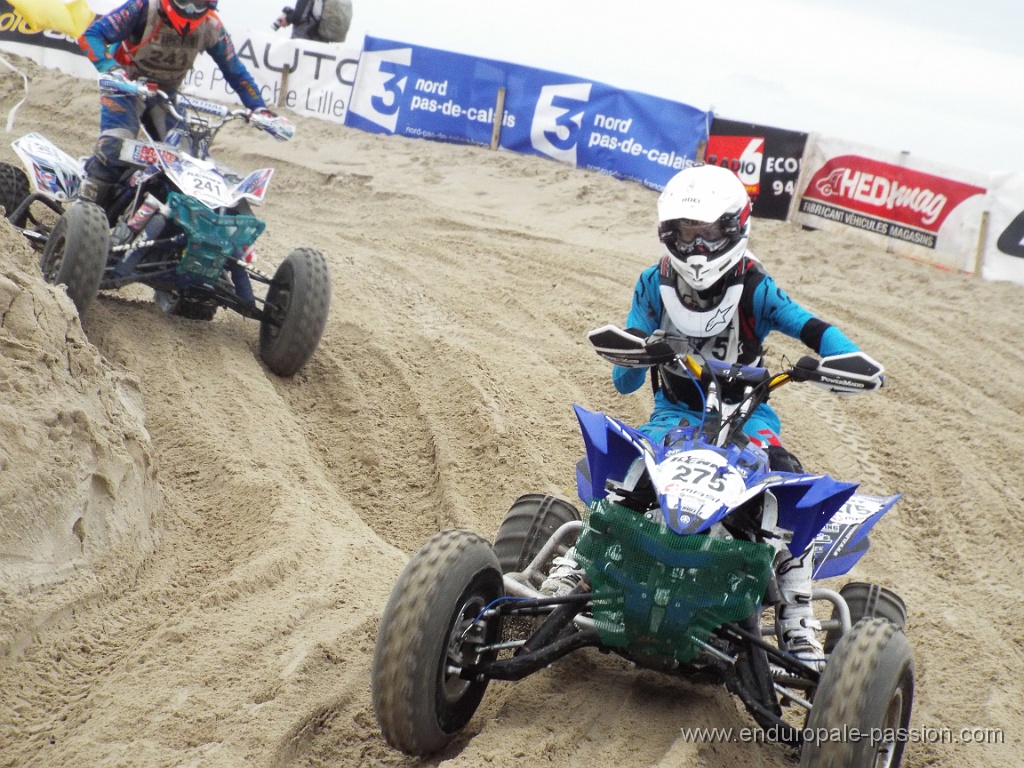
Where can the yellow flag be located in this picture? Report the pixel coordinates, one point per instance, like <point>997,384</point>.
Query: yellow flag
<point>70,18</point>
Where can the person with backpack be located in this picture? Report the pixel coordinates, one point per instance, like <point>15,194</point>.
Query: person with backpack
<point>326,21</point>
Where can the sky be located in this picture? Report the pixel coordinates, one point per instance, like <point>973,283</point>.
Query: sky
<point>941,79</point>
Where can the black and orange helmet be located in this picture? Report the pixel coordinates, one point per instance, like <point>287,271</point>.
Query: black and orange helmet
<point>186,15</point>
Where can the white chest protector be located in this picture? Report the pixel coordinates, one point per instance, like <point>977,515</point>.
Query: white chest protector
<point>715,330</point>
<point>712,334</point>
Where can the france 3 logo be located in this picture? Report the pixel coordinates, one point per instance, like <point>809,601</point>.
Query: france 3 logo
<point>558,120</point>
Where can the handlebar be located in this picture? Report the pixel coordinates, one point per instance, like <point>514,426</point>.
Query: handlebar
<point>847,374</point>
<point>277,126</point>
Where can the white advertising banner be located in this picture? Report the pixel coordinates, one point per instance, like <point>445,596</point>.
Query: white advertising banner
<point>913,207</point>
<point>318,83</point>
<point>1004,240</point>
<point>65,60</point>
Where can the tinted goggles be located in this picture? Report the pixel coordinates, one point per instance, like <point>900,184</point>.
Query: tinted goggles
<point>690,231</point>
<point>191,9</point>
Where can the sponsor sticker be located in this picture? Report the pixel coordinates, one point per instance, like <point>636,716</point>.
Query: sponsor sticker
<point>886,199</point>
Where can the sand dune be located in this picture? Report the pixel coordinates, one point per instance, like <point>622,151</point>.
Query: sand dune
<point>195,553</point>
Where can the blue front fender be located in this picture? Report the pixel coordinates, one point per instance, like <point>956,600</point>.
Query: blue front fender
<point>805,503</point>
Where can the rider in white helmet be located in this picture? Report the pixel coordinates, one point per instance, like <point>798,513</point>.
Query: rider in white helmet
<point>711,289</point>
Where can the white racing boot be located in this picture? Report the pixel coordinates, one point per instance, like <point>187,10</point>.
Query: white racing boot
<point>794,617</point>
<point>564,576</point>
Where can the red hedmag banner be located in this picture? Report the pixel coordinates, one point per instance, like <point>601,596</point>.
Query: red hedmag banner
<point>917,208</point>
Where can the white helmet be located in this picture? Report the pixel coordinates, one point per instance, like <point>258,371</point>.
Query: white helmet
<point>704,224</point>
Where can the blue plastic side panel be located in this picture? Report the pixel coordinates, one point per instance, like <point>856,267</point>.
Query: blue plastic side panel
<point>828,565</point>
<point>805,506</point>
<point>844,538</point>
<point>609,454</point>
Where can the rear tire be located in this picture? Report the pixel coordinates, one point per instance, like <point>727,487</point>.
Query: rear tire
<point>527,526</point>
<point>428,627</point>
<point>298,300</point>
<point>867,687</point>
<point>173,303</point>
<point>13,191</point>
<point>76,252</point>
<point>868,601</point>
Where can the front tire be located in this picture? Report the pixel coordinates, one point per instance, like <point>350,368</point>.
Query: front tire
<point>297,302</point>
<point>13,191</point>
<point>76,252</point>
<point>430,626</point>
<point>867,688</point>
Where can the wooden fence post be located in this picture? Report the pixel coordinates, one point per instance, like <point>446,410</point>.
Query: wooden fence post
<point>499,116</point>
<point>979,251</point>
<point>282,96</point>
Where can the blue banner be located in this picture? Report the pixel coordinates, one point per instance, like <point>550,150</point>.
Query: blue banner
<point>415,91</point>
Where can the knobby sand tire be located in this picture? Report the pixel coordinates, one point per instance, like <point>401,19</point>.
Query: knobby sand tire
<point>866,600</point>
<point>13,190</point>
<point>527,526</point>
<point>420,706</point>
<point>76,252</point>
<point>302,291</point>
<point>867,689</point>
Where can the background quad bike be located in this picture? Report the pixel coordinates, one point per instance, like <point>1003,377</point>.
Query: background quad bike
<point>429,627</point>
<point>75,252</point>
